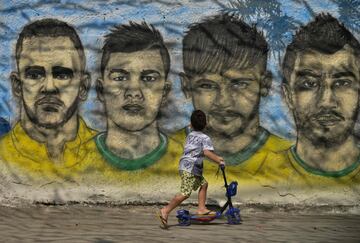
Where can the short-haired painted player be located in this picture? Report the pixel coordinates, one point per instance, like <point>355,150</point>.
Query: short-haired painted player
<point>321,72</point>
<point>50,140</point>
<point>225,76</point>
<point>197,146</point>
<point>133,87</point>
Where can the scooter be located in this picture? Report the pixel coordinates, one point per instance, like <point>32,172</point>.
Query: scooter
<point>232,214</point>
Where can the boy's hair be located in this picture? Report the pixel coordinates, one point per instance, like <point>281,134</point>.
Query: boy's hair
<point>134,37</point>
<point>220,43</point>
<point>50,28</point>
<point>325,34</point>
<point>198,120</point>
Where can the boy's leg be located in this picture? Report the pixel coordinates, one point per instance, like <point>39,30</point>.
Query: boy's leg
<point>202,199</point>
<point>187,181</point>
<point>176,201</point>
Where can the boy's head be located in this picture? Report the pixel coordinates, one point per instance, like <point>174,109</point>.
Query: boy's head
<point>225,71</point>
<point>134,68</point>
<point>198,120</point>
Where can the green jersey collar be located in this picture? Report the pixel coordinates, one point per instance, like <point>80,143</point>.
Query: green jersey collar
<point>131,164</point>
<point>320,172</point>
<point>244,154</point>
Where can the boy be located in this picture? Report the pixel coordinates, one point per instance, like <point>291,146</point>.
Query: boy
<point>197,146</point>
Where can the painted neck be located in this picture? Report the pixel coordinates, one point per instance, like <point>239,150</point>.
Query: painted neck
<point>233,144</point>
<point>132,144</point>
<point>53,138</point>
<point>324,158</point>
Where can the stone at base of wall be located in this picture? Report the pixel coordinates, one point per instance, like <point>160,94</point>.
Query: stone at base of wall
<point>249,201</point>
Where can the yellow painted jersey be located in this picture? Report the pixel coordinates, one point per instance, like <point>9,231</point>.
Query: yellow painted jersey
<point>26,159</point>
<point>153,170</point>
<point>288,170</point>
<point>244,166</point>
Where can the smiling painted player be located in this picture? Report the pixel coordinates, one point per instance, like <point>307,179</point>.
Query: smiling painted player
<point>225,76</point>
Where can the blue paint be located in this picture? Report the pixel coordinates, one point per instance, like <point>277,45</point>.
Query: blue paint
<point>93,19</point>
<point>4,126</point>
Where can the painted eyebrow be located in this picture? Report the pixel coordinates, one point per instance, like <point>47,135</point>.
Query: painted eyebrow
<point>242,79</point>
<point>204,80</point>
<point>344,74</point>
<point>35,68</point>
<point>119,70</point>
<point>303,73</point>
<point>59,69</point>
<point>149,71</point>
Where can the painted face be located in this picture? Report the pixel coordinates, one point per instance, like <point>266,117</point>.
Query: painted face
<point>50,74</point>
<point>324,94</point>
<point>133,88</point>
<point>230,100</point>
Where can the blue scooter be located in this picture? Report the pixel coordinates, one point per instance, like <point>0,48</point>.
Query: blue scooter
<point>232,214</point>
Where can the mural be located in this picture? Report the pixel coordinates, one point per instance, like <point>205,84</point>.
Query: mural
<point>321,86</point>
<point>99,96</point>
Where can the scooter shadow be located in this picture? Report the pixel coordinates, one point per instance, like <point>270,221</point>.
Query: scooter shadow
<point>200,223</point>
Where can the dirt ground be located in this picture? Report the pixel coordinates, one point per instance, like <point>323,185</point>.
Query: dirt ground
<point>138,224</point>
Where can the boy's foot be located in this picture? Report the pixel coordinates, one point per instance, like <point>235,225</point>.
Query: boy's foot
<point>163,220</point>
<point>205,212</point>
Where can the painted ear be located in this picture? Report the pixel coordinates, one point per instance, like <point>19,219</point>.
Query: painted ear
<point>16,84</point>
<point>185,85</point>
<point>266,84</point>
<point>166,91</point>
<point>288,95</point>
<point>99,89</point>
<point>84,86</point>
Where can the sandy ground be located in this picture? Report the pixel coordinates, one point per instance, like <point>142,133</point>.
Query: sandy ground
<point>138,224</point>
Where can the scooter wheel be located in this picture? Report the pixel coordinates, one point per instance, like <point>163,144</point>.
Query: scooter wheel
<point>234,217</point>
<point>184,221</point>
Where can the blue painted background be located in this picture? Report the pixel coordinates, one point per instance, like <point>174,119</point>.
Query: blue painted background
<point>277,18</point>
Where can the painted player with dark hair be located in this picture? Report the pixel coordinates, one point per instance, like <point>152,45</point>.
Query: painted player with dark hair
<point>50,82</point>
<point>133,87</point>
<point>321,72</point>
<point>225,76</point>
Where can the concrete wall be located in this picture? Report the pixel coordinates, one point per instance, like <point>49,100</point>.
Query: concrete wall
<point>80,133</point>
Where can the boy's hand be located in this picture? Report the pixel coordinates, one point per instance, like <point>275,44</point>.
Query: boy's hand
<point>222,162</point>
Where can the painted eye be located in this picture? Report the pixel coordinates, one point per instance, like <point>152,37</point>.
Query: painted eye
<point>342,83</point>
<point>62,76</point>
<point>240,84</point>
<point>309,84</point>
<point>34,76</point>
<point>206,86</point>
<point>120,78</point>
<point>148,78</point>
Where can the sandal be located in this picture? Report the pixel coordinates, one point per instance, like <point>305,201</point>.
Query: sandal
<point>210,212</point>
<point>163,221</point>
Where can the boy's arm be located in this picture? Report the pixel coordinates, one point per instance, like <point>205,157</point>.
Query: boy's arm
<point>214,157</point>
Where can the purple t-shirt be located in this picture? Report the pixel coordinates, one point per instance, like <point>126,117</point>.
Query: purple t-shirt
<point>192,158</point>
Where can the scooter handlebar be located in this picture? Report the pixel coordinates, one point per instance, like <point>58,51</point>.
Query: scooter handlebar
<point>222,166</point>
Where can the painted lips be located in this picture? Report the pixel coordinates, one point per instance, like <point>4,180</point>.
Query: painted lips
<point>133,108</point>
<point>49,104</point>
<point>328,119</point>
<point>224,116</point>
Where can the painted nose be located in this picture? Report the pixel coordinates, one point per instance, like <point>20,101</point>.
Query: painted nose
<point>327,99</point>
<point>134,91</point>
<point>49,85</point>
<point>223,98</point>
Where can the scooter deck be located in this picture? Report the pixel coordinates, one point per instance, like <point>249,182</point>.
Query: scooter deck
<point>203,217</point>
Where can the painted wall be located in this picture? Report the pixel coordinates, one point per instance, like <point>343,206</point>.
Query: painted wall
<point>113,129</point>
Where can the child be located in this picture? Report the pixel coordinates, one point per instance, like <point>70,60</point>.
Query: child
<point>197,145</point>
